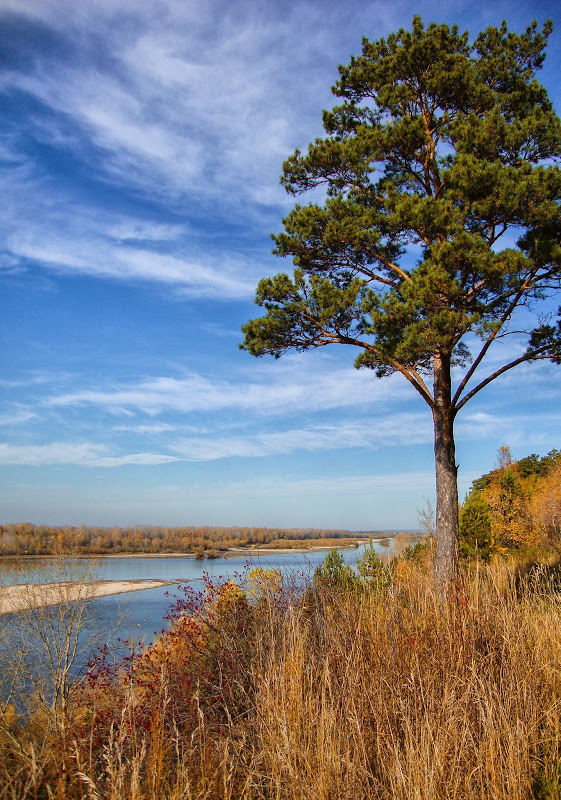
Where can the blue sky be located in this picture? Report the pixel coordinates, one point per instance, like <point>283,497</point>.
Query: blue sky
<point>142,143</point>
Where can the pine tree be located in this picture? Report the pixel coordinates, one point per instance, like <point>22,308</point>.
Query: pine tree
<point>475,528</point>
<point>440,151</point>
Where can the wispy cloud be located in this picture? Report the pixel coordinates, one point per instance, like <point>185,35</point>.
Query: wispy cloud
<point>289,389</point>
<point>385,429</point>
<point>89,254</point>
<point>139,230</point>
<point>398,429</point>
<point>151,430</point>
<point>34,378</point>
<point>205,102</point>
<point>16,418</point>
<point>64,453</point>
<point>185,108</point>
<point>37,229</point>
<point>142,144</point>
<point>516,429</point>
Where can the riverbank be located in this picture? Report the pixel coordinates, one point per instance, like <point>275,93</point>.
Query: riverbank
<point>23,597</point>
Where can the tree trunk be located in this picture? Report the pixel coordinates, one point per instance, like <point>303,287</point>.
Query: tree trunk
<point>447,541</point>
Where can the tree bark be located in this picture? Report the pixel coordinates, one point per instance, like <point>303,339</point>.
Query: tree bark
<point>447,540</point>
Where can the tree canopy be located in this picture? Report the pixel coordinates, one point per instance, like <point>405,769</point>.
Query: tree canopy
<point>439,233</point>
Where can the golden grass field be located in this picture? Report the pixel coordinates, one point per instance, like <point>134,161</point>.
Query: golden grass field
<point>343,693</point>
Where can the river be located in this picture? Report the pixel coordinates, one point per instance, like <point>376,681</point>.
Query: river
<point>140,615</point>
<point>121,619</point>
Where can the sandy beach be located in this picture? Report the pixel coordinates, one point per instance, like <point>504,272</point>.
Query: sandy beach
<point>264,551</point>
<point>22,597</point>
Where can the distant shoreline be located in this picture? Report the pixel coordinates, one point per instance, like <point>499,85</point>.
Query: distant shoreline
<point>232,552</point>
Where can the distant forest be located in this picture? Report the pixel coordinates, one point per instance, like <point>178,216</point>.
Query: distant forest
<point>24,538</point>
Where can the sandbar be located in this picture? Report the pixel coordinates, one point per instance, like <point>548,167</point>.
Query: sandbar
<point>270,551</point>
<point>23,597</point>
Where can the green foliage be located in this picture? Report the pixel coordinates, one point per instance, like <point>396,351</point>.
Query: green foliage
<point>479,484</point>
<point>441,152</point>
<point>334,572</point>
<point>531,465</point>
<point>416,552</point>
<point>547,781</point>
<point>371,568</point>
<point>476,539</point>
<point>441,143</point>
<point>534,465</point>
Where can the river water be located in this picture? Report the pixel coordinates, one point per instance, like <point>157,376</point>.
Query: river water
<point>123,620</point>
<point>140,616</point>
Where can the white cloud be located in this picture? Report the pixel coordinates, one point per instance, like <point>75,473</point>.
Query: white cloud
<point>194,106</point>
<point>9,264</point>
<point>398,429</point>
<point>148,429</point>
<point>294,386</point>
<point>139,230</point>
<point>143,459</point>
<point>513,428</point>
<point>17,418</point>
<point>207,104</point>
<point>35,378</point>
<point>90,241</point>
<point>68,453</point>
<point>70,255</point>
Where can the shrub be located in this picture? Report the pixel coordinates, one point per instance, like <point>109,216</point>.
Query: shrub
<point>476,539</point>
<point>334,573</point>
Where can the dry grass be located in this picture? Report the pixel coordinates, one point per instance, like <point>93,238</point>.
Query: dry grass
<point>344,694</point>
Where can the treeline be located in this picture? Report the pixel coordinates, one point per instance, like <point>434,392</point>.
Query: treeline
<point>25,538</point>
<point>516,505</point>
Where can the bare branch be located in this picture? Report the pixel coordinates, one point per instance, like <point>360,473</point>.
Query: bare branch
<point>488,342</point>
<point>533,356</point>
<point>409,373</point>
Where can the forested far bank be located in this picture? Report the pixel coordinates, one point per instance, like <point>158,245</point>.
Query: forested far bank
<point>25,538</point>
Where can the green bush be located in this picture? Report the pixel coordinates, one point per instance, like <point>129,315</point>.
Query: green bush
<point>334,572</point>
<point>476,540</point>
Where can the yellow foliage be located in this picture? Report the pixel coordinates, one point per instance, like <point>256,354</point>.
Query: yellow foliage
<point>7,720</point>
<point>525,509</point>
<point>403,571</point>
<point>546,506</point>
<point>264,583</point>
<point>7,715</point>
<point>508,508</point>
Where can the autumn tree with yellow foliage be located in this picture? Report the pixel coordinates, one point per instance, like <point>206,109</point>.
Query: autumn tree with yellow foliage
<point>518,504</point>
